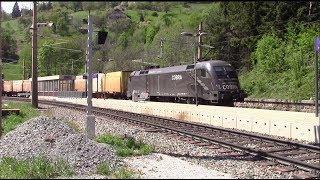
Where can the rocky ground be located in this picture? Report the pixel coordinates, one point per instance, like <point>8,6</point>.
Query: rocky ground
<point>235,166</point>
<point>55,140</point>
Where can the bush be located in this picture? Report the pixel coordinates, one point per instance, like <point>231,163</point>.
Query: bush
<point>270,54</point>
<point>154,14</point>
<point>151,32</point>
<point>125,146</point>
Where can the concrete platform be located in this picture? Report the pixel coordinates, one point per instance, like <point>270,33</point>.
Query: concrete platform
<point>295,125</point>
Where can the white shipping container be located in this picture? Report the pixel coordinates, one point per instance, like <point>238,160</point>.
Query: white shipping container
<point>97,83</point>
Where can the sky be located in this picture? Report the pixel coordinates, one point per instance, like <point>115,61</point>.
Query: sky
<point>7,6</point>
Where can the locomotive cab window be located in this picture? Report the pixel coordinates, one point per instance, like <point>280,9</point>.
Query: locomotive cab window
<point>190,66</point>
<point>224,72</point>
<point>144,72</point>
<point>203,73</point>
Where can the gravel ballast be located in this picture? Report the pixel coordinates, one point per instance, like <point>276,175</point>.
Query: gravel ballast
<point>238,166</point>
<point>157,166</point>
<point>55,140</point>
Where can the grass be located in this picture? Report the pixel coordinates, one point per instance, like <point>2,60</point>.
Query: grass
<point>125,146</point>
<point>36,168</point>
<point>12,71</point>
<point>121,173</point>
<point>124,173</point>
<point>104,169</point>
<point>12,121</point>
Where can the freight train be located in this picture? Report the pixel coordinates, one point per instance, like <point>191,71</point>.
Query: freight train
<point>216,83</point>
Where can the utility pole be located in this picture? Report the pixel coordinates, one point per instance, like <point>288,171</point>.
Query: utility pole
<point>316,51</point>
<point>310,6</point>
<point>316,84</point>
<point>24,71</point>
<point>90,124</point>
<point>161,46</point>
<point>195,72</point>
<point>34,84</point>
<point>200,42</point>
<point>1,82</point>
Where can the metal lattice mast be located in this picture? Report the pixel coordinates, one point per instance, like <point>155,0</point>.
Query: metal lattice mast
<point>90,123</point>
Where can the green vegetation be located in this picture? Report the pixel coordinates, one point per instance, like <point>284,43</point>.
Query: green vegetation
<point>269,43</point>
<point>120,173</point>
<point>12,121</point>
<point>124,173</point>
<point>283,68</point>
<point>12,71</point>
<point>125,146</point>
<point>104,169</point>
<point>37,168</point>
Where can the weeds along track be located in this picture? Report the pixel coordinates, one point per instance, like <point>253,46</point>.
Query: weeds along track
<point>295,155</point>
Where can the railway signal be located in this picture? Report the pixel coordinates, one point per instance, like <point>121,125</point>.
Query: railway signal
<point>102,36</point>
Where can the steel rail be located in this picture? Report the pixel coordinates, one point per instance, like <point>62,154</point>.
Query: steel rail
<point>261,153</point>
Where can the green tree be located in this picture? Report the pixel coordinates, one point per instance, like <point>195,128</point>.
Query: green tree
<point>9,44</point>
<point>16,11</point>
<point>26,59</point>
<point>46,57</point>
<point>270,55</point>
<point>62,22</point>
<point>77,6</point>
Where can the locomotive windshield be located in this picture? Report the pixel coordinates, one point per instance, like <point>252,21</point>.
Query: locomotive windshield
<point>223,72</point>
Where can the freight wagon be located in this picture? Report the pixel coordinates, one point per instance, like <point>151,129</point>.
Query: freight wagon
<point>52,85</point>
<point>107,85</point>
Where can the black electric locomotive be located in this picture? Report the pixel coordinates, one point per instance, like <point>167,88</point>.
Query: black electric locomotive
<point>217,83</point>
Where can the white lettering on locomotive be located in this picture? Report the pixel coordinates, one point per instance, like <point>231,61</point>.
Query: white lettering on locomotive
<point>176,77</point>
<point>231,86</point>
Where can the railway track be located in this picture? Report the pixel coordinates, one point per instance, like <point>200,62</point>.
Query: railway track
<point>294,155</point>
<point>277,105</point>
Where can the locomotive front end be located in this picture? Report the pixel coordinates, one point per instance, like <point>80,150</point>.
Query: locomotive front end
<point>227,83</point>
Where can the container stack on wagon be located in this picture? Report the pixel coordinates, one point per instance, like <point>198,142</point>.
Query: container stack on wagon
<point>97,85</point>
<point>116,84</point>
<point>7,88</point>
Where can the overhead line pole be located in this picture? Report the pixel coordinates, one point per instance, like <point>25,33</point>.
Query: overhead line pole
<point>200,42</point>
<point>90,123</point>
<point>34,84</point>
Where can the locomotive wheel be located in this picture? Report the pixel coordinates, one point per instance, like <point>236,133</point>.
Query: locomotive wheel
<point>189,101</point>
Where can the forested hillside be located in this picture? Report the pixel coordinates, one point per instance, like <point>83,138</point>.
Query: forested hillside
<point>269,43</point>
